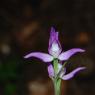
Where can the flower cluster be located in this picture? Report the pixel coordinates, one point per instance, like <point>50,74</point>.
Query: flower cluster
<point>57,69</point>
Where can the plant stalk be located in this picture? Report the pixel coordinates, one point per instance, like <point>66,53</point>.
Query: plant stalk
<point>56,80</point>
<point>57,86</point>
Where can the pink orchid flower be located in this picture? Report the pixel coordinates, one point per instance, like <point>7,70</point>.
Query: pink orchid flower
<point>55,50</point>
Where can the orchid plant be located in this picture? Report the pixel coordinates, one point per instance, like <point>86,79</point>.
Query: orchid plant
<point>57,69</point>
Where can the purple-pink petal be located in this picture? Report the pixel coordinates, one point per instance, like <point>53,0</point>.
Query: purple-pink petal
<point>43,56</point>
<point>67,54</point>
<point>54,48</point>
<point>71,74</point>
<point>57,33</point>
<point>52,35</point>
<point>50,70</point>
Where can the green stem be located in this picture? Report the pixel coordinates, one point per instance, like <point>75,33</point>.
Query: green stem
<point>57,86</point>
<point>55,64</point>
<point>56,80</point>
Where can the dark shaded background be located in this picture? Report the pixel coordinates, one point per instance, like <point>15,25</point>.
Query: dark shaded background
<point>25,26</point>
